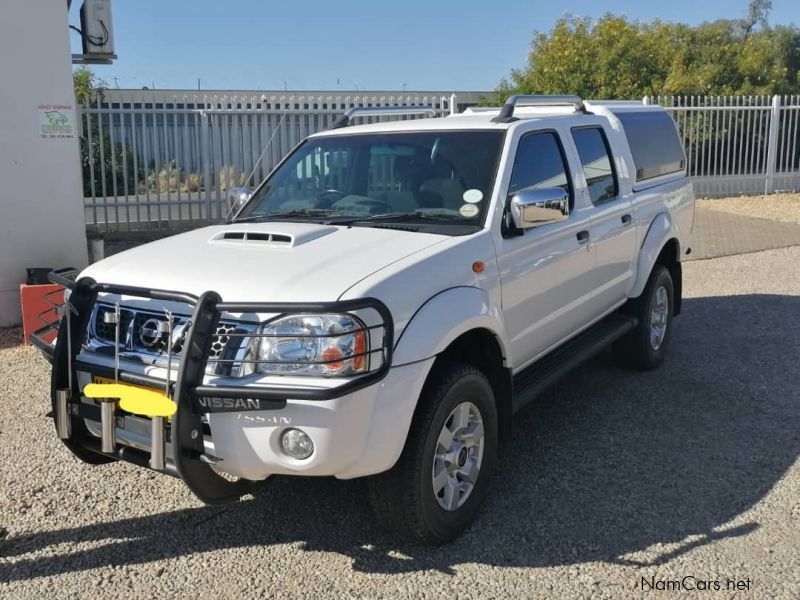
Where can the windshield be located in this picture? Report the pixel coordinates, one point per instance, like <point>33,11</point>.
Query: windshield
<point>441,177</point>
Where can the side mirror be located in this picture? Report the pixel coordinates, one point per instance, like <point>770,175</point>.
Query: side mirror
<point>533,207</point>
<point>237,198</point>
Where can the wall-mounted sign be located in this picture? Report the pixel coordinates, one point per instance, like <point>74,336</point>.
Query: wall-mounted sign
<point>56,121</point>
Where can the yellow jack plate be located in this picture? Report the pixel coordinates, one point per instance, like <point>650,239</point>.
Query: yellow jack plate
<point>134,399</point>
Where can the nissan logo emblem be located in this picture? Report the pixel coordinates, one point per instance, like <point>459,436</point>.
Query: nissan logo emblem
<point>149,333</point>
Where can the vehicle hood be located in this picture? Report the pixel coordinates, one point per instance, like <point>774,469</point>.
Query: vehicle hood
<point>263,262</point>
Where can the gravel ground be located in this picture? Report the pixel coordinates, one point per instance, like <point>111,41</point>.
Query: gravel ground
<point>615,476</point>
<point>779,207</point>
<point>10,337</point>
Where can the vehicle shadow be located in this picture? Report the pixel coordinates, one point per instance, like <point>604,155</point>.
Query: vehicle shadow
<point>612,465</point>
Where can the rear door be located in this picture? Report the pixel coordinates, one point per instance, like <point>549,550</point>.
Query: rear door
<point>612,224</point>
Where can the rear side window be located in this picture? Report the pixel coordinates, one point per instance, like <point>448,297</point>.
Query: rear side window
<point>540,164</point>
<point>595,158</point>
<point>657,150</point>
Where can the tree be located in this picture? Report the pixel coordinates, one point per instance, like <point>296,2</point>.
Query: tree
<point>104,165</point>
<point>613,57</point>
<point>88,86</point>
<point>757,12</point>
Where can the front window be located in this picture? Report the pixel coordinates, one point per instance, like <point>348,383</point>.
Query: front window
<point>425,179</point>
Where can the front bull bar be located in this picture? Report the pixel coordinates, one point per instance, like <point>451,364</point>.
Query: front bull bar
<point>189,460</point>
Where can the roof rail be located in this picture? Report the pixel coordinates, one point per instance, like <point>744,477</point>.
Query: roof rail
<point>507,112</point>
<point>381,111</point>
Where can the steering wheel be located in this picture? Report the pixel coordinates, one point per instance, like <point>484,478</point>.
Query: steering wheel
<point>327,198</point>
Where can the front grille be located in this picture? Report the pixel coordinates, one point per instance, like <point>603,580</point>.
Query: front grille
<point>139,333</point>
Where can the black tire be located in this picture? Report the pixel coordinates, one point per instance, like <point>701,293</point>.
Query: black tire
<point>635,349</point>
<point>403,498</point>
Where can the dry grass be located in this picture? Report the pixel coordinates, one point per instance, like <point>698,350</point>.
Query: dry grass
<point>193,182</point>
<point>778,207</point>
<point>230,177</point>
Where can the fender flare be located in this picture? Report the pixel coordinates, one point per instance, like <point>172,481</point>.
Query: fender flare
<point>661,230</point>
<point>443,318</point>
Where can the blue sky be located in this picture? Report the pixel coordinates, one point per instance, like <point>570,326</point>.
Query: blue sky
<point>354,44</point>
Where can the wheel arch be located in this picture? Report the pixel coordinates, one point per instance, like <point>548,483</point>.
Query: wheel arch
<point>670,258</point>
<point>481,349</point>
<point>661,246</point>
<point>462,324</point>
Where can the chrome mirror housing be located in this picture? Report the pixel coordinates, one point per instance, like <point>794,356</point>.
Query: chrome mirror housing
<point>237,198</point>
<point>534,207</point>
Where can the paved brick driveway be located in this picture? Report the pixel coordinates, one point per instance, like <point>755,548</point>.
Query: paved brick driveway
<point>718,233</point>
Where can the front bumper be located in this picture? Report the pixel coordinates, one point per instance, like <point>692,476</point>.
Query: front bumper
<point>358,426</point>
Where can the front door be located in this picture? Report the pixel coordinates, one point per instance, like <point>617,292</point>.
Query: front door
<point>546,272</point>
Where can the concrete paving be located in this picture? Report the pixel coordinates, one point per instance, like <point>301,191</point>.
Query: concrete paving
<point>719,233</point>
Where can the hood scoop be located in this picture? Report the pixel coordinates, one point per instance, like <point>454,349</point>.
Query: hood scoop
<point>255,238</point>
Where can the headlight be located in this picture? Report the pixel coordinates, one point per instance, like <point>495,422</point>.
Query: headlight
<point>319,345</point>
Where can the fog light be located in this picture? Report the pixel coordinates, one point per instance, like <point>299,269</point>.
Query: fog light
<point>297,444</point>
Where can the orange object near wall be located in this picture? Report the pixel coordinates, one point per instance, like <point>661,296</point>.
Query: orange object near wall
<point>37,310</point>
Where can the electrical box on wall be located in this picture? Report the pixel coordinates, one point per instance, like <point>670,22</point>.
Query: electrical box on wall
<point>96,28</point>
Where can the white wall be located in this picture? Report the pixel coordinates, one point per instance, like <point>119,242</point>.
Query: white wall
<point>41,213</point>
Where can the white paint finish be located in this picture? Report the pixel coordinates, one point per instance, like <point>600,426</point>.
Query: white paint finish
<point>614,240</point>
<point>547,282</point>
<point>317,270</point>
<point>454,123</point>
<point>545,274</point>
<point>616,244</point>
<point>299,235</point>
<point>42,221</point>
<point>445,317</point>
<point>661,213</point>
<point>408,284</point>
<point>358,434</point>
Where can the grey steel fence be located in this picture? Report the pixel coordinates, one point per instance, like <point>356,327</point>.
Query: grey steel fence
<point>168,164</point>
<point>739,144</point>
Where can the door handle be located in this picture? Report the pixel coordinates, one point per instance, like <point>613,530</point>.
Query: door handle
<point>583,236</point>
<point>627,219</point>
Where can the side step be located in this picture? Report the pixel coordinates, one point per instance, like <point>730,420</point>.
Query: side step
<point>535,379</point>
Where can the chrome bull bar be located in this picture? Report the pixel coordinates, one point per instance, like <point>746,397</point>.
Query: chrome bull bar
<point>191,396</point>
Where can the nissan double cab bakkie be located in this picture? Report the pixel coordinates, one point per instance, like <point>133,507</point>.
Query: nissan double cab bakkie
<point>383,304</point>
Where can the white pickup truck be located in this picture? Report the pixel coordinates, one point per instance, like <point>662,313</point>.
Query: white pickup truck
<point>383,304</point>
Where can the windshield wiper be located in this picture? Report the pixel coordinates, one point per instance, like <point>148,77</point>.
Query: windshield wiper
<point>393,217</point>
<point>283,214</point>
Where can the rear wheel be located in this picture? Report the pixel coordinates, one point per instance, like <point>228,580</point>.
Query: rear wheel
<point>644,347</point>
<point>440,480</point>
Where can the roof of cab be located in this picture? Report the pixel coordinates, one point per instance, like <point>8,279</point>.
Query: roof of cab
<point>470,119</point>
<point>483,118</point>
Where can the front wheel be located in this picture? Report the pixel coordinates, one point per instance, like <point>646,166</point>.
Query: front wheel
<point>644,347</point>
<point>440,480</point>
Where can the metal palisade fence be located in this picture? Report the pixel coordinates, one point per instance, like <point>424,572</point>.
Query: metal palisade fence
<point>152,161</point>
<point>738,144</point>
<point>156,163</point>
